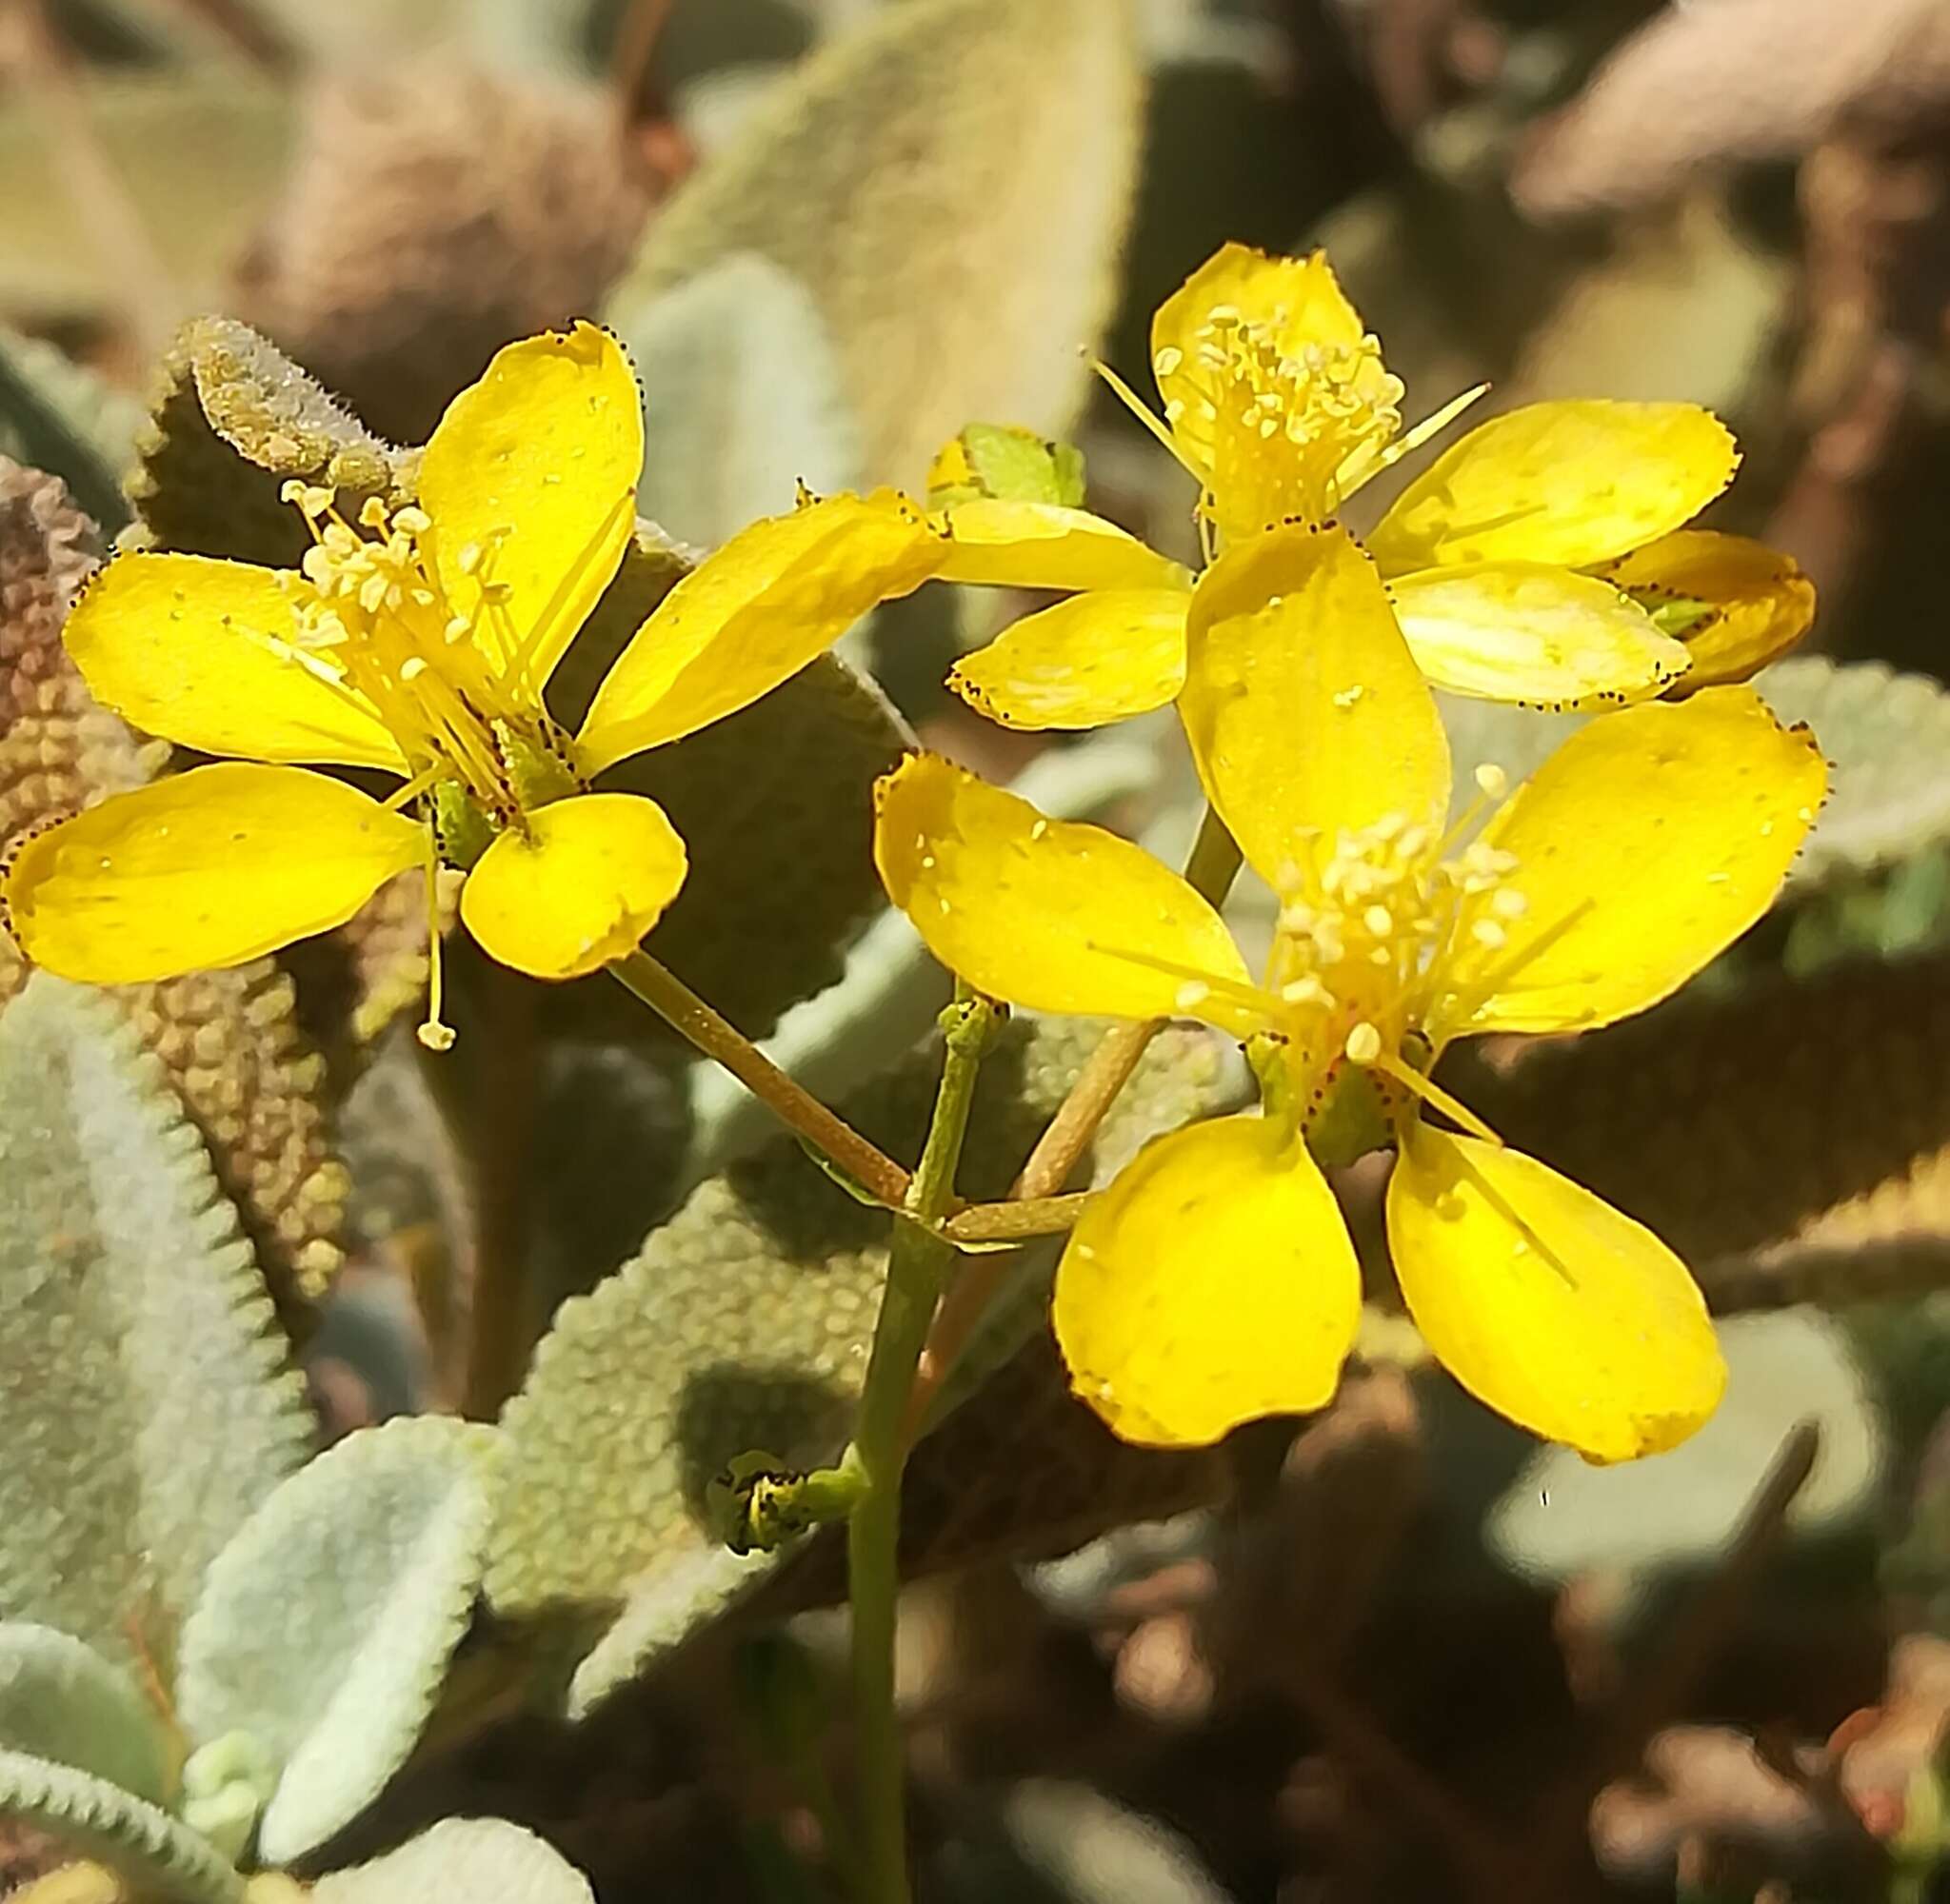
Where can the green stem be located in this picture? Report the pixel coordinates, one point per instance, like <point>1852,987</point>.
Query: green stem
<point>796,1107</point>
<point>918,1264</point>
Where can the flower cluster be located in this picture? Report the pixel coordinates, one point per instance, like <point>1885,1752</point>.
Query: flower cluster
<point>1543,560</point>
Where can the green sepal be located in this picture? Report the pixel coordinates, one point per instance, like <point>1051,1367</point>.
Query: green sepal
<point>462,831</point>
<point>1007,463</point>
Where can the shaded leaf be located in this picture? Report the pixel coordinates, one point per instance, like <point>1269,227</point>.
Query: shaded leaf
<point>484,1860</point>
<point>951,184</point>
<point>1562,1517</point>
<point>840,1040</point>
<point>167,1859</point>
<point>742,400</point>
<point>1803,1114</point>
<point>143,1395</point>
<point>229,1039</point>
<point>60,1700</point>
<point>231,418</point>
<point>59,416</point>
<point>324,1627</point>
<point>744,1324</point>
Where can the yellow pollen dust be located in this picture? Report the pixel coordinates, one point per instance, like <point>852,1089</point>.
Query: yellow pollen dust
<point>1274,428</point>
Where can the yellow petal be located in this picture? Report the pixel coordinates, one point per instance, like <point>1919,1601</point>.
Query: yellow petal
<point>205,869</point>
<point>1743,603</point>
<point>1305,711</point>
<point>1569,483</point>
<point>538,463</point>
<point>577,885</point>
<point>199,652</point>
<point>1543,637</point>
<point>1647,845</point>
<point>1298,298</point>
<point>1095,657</point>
<point>774,596</point>
<point>1212,1283</point>
<point>1045,913</point>
<point>1547,1305</point>
<point>1015,544</point>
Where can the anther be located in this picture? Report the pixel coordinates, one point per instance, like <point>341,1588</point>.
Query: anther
<point>1364,1045</point>
<point>1492,779</point>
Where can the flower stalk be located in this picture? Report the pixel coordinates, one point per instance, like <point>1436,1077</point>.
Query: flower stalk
<point>796,1107</point>
<point>918,1267</point>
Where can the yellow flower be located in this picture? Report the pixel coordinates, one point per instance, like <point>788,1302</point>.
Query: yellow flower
<point>1496,557</point>
<point>419,641</point>
<point>1214,1281</point>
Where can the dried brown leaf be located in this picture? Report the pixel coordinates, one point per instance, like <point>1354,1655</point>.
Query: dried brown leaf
<point>431,217</point>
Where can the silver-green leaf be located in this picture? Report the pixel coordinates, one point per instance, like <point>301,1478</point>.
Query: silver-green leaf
<point>165,1860</point>
<point>742,400</point>
<point>744,1324</point>
<point>60,1700</point>
<point>327,1624</point>
<point>484,1860</point>
<point>951,183</point>
<point>145,1401</point>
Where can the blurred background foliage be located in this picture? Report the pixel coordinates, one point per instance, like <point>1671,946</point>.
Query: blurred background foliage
<point>1390,1652</point>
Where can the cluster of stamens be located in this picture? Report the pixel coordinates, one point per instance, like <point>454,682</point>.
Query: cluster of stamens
<point>1277,430</point>
<point>373,616</point>
<point>1364,935</point>
<point>375,619</point>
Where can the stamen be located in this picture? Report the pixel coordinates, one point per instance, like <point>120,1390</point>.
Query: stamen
<point>1431,1093</point>
<point>414,788</point>
<point>1138,408</point>
<point>1367,462</point>
<point>432,1031</point>
<point>1235,989</point>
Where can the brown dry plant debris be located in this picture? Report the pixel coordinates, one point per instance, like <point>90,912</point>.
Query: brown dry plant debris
<point>431,217</point>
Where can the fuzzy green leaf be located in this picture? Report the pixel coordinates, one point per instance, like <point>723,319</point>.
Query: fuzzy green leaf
<point>744,1324</point>
<point>166,1859</point>
<point>231,418</point>
<point>60,1700</point>
<point>143,1400</point>
<point>484,1860</point>
<point>59,416</point>
<point>325,1625</point>
<point>742,401</point>
<point>951,184</point>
